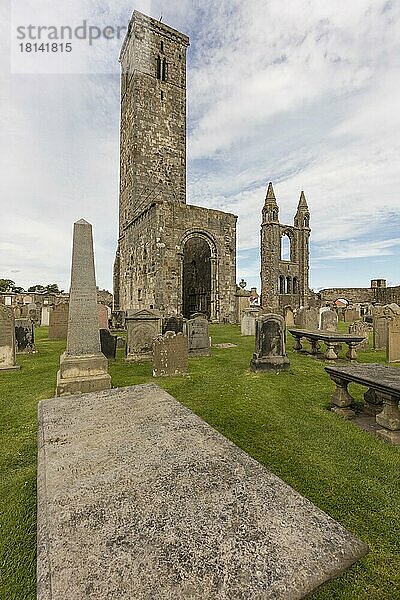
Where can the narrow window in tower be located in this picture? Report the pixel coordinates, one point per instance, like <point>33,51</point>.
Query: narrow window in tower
<point>162,46</point>
<point>158,67</point>
<point>164,70</point>
<point>139,295</point>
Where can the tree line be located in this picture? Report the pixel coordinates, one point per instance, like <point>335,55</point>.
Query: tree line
<point>7,285</point>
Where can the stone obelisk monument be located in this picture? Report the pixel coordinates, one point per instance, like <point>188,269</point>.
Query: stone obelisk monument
<point>83,368</point>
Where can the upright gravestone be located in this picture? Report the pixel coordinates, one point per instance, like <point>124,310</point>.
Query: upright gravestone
<point>58,322</point>
<point>361,328</point>
<point>108,344</point>
<point>289,316</point>
<point>25,336</point>
<point>142,326</point>
<point>173,323</point>
<point>7,339</point>
<point>103,316</point>
<point>329,320</point>
<point>198,337</point>
<point>83,367</point>
<point>248,324</point>
<point>393,345</point>
<point>308,318</point>
<point>170,355</point>
<point>45,316</point>
<point>351,314</point>
<point>270,350</point>
<point>381,317</point>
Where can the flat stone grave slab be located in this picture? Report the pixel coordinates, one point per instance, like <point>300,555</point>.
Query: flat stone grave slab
<point>138,498</point>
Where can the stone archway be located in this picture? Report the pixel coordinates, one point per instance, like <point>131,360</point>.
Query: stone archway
<point>198,276</point>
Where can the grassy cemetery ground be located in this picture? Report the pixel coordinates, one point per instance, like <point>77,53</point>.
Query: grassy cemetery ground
<point>280,419</point>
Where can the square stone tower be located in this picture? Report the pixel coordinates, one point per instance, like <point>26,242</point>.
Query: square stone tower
<point>284,256</point>
<point>171,256</point>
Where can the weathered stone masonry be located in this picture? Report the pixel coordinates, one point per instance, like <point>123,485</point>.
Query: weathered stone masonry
<point>284,277</point>
<point>171,256</point>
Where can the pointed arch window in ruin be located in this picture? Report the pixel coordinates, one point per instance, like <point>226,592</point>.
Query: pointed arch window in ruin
<point>285,247</point>
<point>288,285</point>
<point>196,277</point>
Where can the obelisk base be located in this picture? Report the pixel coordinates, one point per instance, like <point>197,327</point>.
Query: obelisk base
<point>82,374</point>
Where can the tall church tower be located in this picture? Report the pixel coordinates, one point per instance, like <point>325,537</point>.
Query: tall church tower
<point>171,256</point>
<point>153,116</point>
<point>284,256</point>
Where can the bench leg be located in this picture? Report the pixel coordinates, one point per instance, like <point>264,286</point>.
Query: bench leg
<point>297,346</point>
<point>315,347</point>
<point>389,418</point>
<point>330,353</point>
<point>373,403</point>
<point>341,399</point>
<point>351,352</point>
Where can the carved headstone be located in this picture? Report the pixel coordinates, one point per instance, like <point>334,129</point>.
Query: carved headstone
<point>108,344</point>
<point>7,339</point>
<point>361,327</point>
<point>25,336</point>
<point>58,322</point>
<point>248,325</point>
<point>33,313</point>
<point>173,323</point>
<point>103,316</point>
<point>289,316</point>
<point>121,342</point>
<point>329,320</point>
<point>308,318</point>
<point>381,317</point>
<point>270,349</point>
<point>45,316</point>
<point>83,367</point>
<point>170,354</point>
<point>198,337</point>
<point>393,346</point>
<point>143,326</point>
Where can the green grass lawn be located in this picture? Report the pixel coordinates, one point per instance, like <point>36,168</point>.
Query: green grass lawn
<point>280,419</point>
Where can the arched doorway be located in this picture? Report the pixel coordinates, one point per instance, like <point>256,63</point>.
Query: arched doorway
<point>196,292</point>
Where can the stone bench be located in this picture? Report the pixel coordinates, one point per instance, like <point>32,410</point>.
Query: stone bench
<point>138,498</point>
<point>381,398</point>
<point>332,340</point>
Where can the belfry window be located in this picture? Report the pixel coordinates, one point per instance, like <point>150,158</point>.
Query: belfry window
<point>158,67</point>
<point>164,75</point>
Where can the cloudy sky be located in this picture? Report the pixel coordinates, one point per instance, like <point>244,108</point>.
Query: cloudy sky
<point>304,93</point>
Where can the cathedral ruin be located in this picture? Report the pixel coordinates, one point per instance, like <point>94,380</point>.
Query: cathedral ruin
<point>284,256</point>
<point>171,256</point>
